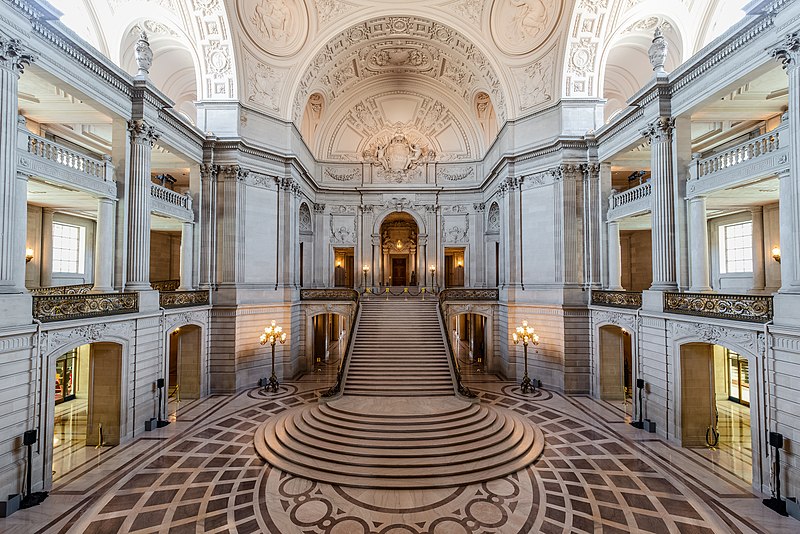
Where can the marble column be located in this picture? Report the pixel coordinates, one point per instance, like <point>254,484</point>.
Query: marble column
<point>659,133</point>
<point>698,231</point>
<point>614,258</point>
<point>759,267</point>
<point>46,251</point>
<point>104,246</point>
<point>13,208</point>
<point>422,274</point>
<point>208,242</point>
<point>789,55</point>
<point>142,137</point>
<point>187,256</point>
<point>376,259</point>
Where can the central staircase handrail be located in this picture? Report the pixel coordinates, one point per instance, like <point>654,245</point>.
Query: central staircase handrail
<point>461,389</point>
<point>336,390</point>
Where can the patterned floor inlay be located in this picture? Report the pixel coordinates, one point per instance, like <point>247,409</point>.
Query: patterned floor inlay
<point>203,475</point>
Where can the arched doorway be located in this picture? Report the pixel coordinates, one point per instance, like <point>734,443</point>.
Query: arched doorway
<point>468,337</point>
<point>183,365</point>
<point>616,365</point>
<point>399,258</point>
<point>328,339</point>
<point>716,406</point>
<point>86,401</point>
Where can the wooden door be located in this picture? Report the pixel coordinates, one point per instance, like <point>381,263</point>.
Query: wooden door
<point>398,271</point>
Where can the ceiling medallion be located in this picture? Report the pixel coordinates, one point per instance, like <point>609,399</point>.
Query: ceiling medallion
<point>278,27</point>
<point>519,26</point>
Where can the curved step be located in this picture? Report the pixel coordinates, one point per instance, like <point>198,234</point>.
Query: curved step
<point>432,442</point>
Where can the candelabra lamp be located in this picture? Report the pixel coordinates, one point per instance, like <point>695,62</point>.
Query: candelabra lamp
<point>273,334</point>
<point>526,335</point>
<point>365,270</point>
<point>433,277</point>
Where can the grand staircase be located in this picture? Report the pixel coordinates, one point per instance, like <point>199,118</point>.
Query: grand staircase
<point>399,351</point>
<point>399,423</point>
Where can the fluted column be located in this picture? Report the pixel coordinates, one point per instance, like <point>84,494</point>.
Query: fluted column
<point>614,258</point>
<point>698,230</point>
<point>142,137</point>
<point>422,244</point>
<point>663,204</point>
<point>376,259</point>
<point>208,232</point>
<point>759,269</point>
<point>789,55</point>
<point>13,203</point>
<point>104,246</point>
<point>187,256</point>
<point>46,251</point>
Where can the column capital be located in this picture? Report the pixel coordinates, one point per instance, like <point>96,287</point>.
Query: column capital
<point>142,132</point>
<point>209,171</point>
<point>13,55</point>
<point>235,172</point>
<point>788,52</point>
<point>659,130</point>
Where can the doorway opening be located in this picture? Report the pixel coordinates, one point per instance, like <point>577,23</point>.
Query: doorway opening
<point>87,404</point>
<point>468,339</point>
<point>183,367</point>
<point>329,339</point>
<point>616,367</point>
<point>716,406</point>
<point>343,261</point>
<point>454,267</point>
<point>400,263</point>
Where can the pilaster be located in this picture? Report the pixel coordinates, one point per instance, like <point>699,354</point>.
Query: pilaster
<point>614,258</point>
<point>46,251</point>
<point>187,256</point>
<point>759,271</point>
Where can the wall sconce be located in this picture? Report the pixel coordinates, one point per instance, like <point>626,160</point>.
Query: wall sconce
<point>399,244</point>
<point>460,263</point>
<point>776,254</point>
<point>28,255</point>
<point>338,263</point>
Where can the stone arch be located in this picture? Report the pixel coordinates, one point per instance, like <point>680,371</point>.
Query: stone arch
<point>419,219</point>
<point>184,357</point>
<point>486,117</point>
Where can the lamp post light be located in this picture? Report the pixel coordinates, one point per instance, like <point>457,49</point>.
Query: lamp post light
<point>365,270</point>
<point>433,277</point>
<point>273,334</point>
<point>527,335</point>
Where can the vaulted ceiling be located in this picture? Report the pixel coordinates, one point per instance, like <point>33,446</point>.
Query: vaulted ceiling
<point>351,74</point>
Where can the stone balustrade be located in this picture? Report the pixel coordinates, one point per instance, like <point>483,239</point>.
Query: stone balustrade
<point>163,195</point>
<point>630,201</point>
<point>736,155</point>
<point>52,151</point>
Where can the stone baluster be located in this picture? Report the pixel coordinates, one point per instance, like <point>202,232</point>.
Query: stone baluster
<point>142,138</point>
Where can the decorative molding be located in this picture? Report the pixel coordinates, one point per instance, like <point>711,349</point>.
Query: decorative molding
<point>331,293</point>
<point>13,55</point>
<point>342,174</point>
<point>621,319</point>
<point>717,335</point>
<point>340,231</point>
<point>752,308</point>
<point>48,308</point>
<point>617,299</point>
<point>453,231</point>
<point>788,52</point>
<point>455,174</point>
<point>535,82</point>
<point>181,299</point>
<point>173,320</point>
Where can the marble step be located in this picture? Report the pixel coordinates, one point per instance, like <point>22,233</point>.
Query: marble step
<point>433,442</point>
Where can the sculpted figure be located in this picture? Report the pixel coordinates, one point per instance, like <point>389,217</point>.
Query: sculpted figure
<point>530,17</point>
<point>271,17</point>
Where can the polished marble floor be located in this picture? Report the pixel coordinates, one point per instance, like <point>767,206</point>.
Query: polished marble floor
<point>201,474</point>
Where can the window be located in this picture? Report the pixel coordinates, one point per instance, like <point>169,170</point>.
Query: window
<point>69,243</point>
<point>736,248</point>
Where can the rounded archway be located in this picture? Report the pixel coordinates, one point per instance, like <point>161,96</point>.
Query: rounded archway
<point>183,365</point>
<point>400,258</point>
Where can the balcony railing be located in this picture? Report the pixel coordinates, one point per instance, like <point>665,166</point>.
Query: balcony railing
<point>752,308</point>
<point>52,161</point>
<point>329,293</point>
<point>166,285</point>
<point>629,202</point>
<point>182,299</point>
<point>741,153</point>
<point>182,200</point>
<point>617,299</point>
<point>47,308</point>
<point>75,289</point>
<point>459,293</point>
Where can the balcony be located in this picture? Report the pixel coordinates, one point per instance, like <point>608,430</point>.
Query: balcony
<point>746,162</point>
<point>329,293</point>
<point>630,202</point>
<point>64,307</point>
<point>617,299</point>
<point>750,308</point>
<point>57,163</point>
<point>465,293</point>
<point>171,203</point>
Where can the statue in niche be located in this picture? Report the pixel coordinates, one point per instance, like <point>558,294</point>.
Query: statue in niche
<point>529,19</point>
<point>272,19</point>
